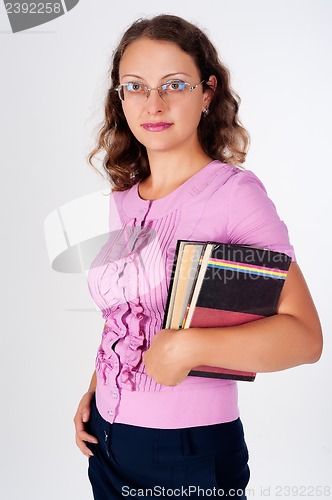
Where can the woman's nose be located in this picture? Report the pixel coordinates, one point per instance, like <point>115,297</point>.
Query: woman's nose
<point>154,101</point>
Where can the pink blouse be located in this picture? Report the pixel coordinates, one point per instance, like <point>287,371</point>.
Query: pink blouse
<point>129,280</point>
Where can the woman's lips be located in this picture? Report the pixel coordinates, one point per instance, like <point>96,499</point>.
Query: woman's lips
<point>156,126</point>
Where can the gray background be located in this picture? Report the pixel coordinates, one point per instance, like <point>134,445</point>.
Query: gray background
<point>52,83</point>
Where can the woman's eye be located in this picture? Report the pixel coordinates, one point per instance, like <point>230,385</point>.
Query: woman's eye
<point>135,87</point>
<point>174,86</point>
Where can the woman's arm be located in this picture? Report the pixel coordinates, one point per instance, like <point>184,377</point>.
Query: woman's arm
<point>82,416</point>
<point>292,337</point>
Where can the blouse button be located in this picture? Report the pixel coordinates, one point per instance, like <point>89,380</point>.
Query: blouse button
<point>111,412</point>
<point>114,394</point>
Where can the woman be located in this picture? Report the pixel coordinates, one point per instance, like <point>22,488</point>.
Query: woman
<point>174,145</point>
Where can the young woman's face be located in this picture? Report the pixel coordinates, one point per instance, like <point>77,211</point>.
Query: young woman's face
<point>168,122</point>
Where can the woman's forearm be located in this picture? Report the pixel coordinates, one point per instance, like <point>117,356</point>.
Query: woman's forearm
<point>290,338</point>
<point>269,344</point>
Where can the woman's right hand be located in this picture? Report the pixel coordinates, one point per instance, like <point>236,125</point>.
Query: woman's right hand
<point>82,416</point>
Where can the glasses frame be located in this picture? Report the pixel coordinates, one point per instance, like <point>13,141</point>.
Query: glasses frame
<point>160,89</point>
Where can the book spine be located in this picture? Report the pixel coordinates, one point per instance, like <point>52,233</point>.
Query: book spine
<point>193,287</point>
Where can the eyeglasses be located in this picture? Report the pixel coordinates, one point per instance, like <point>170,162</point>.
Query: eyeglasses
<point>136,91</point>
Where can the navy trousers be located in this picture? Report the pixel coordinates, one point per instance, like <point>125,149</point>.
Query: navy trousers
<point>131,461</point>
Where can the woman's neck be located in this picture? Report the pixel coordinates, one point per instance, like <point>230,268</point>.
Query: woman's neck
<point>170,171</point>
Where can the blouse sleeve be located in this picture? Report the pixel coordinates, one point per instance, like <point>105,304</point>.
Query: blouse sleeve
<point>252,218</point>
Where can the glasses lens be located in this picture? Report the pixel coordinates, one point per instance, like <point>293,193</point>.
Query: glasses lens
<point>173,89</point>
<point>170,90</point>
<point>135,90</point>
<point>177,87</point>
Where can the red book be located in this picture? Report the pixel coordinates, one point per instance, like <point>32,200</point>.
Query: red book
<point>228,285</point>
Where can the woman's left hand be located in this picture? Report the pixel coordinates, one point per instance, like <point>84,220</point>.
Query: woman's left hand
<point>167,360</point>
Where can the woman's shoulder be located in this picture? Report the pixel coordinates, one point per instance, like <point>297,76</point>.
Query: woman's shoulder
<point>236,179</point>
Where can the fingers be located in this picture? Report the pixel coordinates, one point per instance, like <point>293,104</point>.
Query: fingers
<point>82,416</point>
<point>83,447</point>
<point>82,437</point>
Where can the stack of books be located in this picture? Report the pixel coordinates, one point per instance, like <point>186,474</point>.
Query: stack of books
<point>220,285</point>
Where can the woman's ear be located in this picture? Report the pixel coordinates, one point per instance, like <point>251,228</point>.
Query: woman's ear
<point>208,93</point>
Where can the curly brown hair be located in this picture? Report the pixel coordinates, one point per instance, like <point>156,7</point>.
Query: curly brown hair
<point>220,133</point>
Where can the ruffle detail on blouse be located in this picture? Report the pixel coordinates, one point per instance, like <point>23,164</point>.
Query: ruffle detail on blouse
<point>134,345</point>
<point>124,316</point>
